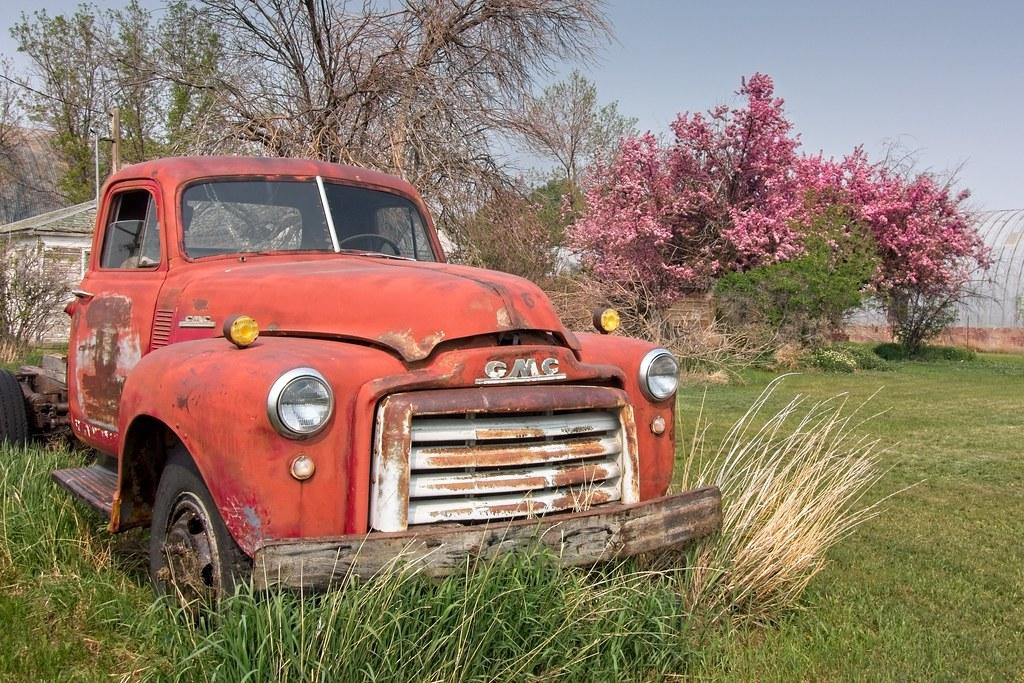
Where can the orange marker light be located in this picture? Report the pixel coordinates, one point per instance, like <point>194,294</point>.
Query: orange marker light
<point>241,330</point>
<point>607,320</point>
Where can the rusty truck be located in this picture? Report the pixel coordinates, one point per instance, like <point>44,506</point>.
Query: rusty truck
<point>280,374</point>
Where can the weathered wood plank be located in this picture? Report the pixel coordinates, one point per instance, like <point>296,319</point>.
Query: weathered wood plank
<point>582,538</point>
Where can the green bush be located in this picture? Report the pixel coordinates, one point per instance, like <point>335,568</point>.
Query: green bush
<point>866,357</point>
<point>804,298</point>
<point>832,359</point>
<point>928,354</point>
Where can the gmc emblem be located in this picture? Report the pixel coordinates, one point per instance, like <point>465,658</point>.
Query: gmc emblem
<point>523,370</point>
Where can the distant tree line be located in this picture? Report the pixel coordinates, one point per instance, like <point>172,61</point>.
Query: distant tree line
<point>440,92</point>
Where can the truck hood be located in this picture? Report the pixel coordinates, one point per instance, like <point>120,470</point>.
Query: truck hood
<point>409,307</point>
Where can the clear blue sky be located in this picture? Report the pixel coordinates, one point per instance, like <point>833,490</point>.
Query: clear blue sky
<point>943,79</point>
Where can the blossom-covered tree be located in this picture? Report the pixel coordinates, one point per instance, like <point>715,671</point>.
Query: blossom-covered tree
<point>928,247</point>
<point>731,192</point>
<point>721,197</point>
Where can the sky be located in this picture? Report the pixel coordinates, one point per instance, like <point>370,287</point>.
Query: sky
<point>943,80</point>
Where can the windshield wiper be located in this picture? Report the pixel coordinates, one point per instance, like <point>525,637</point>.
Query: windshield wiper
<point>375,254</point>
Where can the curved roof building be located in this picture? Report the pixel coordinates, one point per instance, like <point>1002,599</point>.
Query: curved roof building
<point>999,300</point>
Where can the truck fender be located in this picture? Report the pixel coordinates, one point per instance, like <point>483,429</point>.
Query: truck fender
<point>657,451</point>
<point>212,398</point>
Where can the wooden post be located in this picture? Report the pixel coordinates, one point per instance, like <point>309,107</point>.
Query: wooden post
<point>115,133</point>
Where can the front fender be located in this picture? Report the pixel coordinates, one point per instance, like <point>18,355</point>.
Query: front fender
<point>213,397</point>
<point>657,451</point>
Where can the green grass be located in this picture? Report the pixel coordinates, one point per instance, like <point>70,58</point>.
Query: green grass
<point>931,589</point>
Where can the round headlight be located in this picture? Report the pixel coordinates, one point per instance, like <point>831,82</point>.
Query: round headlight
<point>300,403</point>
<point>659,374</point>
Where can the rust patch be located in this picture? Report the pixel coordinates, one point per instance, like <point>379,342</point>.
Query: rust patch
<point>104,356</point>
<point>407,345</point>
<point>520,433</point>
<point>245,521</point>
<point>582,499</point>
<point>201,304</point>
<point>504,320</point>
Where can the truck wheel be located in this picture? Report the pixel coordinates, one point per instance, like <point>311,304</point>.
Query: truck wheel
<point>13,419</point>
<point>192,557</point>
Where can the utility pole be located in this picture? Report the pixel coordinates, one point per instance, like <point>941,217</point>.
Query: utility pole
<point>115,133</point>
<point>96,150</point>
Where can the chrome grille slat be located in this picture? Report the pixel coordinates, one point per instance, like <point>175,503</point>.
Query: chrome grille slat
<point>514,427</point>
<point>429,510</point>
<point>497,455</point>
<point>511,479</point>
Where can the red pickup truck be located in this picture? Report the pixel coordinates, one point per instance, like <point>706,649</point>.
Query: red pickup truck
<point>284,379</point>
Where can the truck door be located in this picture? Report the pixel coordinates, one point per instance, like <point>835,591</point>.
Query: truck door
<point>111,317</point>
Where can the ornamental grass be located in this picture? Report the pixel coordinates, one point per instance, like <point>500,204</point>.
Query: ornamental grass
<point>793,486</point>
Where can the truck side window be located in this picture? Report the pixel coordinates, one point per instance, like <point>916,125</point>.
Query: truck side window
<point>132,237</point>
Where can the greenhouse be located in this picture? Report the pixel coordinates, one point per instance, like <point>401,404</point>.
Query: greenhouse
<point>999,300</point>
<point>992,319</point>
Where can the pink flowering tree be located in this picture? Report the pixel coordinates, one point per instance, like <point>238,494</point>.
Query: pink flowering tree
<point>722,196</point>
<point>928,247</point>
<point>731,193</point>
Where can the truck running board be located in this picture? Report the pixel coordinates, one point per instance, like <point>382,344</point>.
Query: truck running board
<point>94,485</point>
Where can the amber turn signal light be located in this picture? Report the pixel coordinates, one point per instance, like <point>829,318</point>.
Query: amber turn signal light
<point>241,330</point>
<point>606,320</point>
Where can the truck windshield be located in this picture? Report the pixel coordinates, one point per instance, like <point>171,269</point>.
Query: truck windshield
<point>246,216</point>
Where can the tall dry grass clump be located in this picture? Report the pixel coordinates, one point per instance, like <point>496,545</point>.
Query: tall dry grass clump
<point>793,486</point>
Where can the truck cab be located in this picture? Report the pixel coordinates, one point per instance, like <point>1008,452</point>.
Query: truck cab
<point>285,380</point>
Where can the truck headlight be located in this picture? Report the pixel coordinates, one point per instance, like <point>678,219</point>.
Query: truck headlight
<point>659,374</point>
<point>300,403</point>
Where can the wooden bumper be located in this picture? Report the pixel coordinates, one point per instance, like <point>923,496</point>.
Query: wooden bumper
<point>582,538</point>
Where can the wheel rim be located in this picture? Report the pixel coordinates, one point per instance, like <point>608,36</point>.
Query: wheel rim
<point>191,563</point>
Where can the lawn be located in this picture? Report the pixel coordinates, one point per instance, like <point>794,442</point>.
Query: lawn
<point>933,588</point>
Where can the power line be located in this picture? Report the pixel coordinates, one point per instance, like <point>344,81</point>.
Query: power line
<point>48,96</point>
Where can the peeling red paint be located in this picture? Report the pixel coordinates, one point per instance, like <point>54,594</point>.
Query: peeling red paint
<point>107,352</point>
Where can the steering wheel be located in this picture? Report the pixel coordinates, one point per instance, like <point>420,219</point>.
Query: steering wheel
<point>373,236</point>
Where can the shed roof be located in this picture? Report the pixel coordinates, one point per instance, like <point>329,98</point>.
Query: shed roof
<point>79,219</point>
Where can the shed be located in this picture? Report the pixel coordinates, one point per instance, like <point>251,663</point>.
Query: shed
<point>64,234</point>
<point>64,238</point>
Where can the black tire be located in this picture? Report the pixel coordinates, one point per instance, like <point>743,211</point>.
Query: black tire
<point>13,418</point>
<point>192,556</point>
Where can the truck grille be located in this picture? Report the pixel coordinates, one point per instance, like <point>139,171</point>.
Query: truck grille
<point>470,466</point>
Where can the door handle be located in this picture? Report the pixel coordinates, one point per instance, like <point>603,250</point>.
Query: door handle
<point>82,294</point>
